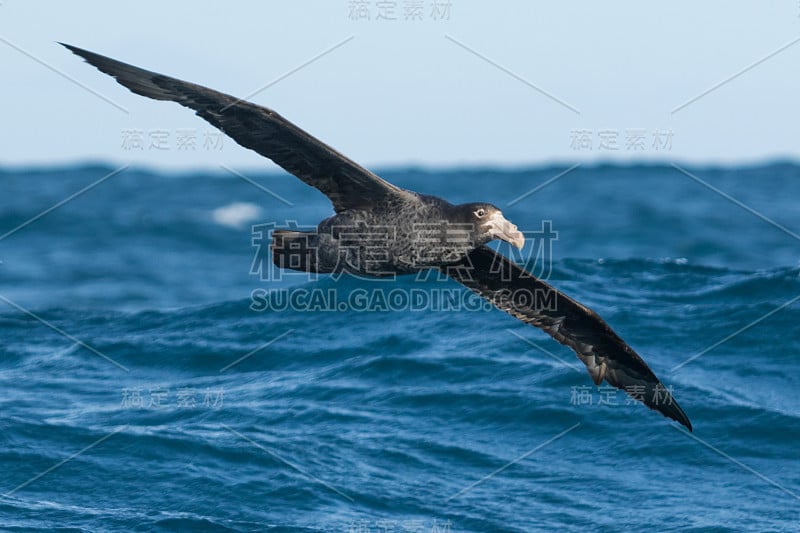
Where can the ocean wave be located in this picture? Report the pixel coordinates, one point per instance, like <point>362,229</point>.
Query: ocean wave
<point>137,339</point>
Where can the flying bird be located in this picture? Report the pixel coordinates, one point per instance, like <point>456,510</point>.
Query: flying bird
<point>418,232</point>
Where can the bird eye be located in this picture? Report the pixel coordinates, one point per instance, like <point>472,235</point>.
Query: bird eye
<point>480,213</point>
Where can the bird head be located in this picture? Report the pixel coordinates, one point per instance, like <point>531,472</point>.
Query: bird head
<point>489,224</point>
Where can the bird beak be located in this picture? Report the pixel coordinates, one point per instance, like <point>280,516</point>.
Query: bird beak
<point>501,228</point>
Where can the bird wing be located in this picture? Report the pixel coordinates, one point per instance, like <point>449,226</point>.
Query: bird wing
<point>606,356</point>
<point>347,184</point>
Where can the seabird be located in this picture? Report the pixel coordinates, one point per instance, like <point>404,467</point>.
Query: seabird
<point>411,229</point>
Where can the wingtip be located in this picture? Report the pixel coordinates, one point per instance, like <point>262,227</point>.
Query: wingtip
<point>685,423</point>
<point>86,55</point>
<point>74,49</point>
<point>660,399</point>
<point>675,412</point>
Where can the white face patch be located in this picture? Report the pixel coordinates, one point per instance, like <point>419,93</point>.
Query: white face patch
<point>496,220</point>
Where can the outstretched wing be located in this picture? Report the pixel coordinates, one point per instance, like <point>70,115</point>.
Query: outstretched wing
<point>347,184</point>
<point>514,290</point>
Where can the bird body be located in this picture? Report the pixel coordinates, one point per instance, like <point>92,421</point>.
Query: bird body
<point>381,230</point>
<point>399,235</point>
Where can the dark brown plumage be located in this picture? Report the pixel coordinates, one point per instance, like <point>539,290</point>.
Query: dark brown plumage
<point>362,200</point>
<point>606,356</point>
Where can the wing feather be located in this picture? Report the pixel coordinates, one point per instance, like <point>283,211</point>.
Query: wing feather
<point>347,184</point>
<point>606,356</point>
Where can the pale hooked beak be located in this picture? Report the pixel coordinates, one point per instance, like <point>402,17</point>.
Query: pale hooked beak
<point>501,228</point>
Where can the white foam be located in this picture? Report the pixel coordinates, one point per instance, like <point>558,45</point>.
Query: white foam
<point>236,215</point>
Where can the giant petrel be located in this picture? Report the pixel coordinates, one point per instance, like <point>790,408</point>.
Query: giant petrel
<point>363,201</point>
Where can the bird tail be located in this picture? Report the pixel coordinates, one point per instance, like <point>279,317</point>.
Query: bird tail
<point>296,250</point>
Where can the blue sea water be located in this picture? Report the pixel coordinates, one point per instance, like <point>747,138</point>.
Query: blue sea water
<point>143,389</point>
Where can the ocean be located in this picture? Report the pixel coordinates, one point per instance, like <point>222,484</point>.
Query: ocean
<point>157,374</point>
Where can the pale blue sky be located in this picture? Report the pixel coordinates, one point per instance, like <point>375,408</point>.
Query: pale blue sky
<point>404,91</point>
